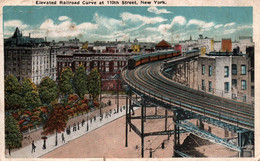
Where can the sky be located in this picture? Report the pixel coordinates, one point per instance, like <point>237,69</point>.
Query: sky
<point>146,24</point>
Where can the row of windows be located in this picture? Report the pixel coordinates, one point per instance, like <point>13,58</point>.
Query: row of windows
<point>203,70</point>
<point>226,85</point>
<point>234,69</point>
<point>226,70</point>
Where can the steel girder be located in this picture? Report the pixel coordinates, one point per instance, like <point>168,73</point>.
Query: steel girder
<point>205,135</point>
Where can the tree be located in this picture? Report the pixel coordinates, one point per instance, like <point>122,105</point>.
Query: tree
<point>13,136</point>
<point>94,84</point>
<point>56,121</point>
<point>32,99</point>
<point>12,86</point>
<point>13,100</point>
<point>30,94</point>
<point>80,81</point>
<point>27,86</point>
<point>47,90</point>
<point>65,83</point>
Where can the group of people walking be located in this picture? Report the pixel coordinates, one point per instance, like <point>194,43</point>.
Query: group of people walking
<point>76,127</point>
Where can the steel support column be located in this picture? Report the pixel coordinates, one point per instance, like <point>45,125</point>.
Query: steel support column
<point>126,122</point>
<point>166,113</point>
<point>240,144</point>
<point>129,112</point>
<point>142,127</point>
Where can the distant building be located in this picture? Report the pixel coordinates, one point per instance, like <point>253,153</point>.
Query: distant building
<point>163,45</point>
<point>109,65</point>
<point>226,45</point>
<point>26,57</point>
<point>19,40</point>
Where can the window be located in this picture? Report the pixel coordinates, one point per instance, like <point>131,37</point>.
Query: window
<point>226,70</point>
<point>234,69</point>
<point>210,86</point>
<point>115,63</point>
<point>203,69</point>
<point>210,70</point>
<point>226,85</point>
<point>234,82</point>
<point>107,63</point>
<point>203,84</point>
<point>107,69</point>
<point>243,84</point>
<point>252,91</point>
<point>95,63</point>
<point>243,69</point>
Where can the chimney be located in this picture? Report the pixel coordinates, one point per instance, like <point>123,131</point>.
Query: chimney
<point>29,35</point>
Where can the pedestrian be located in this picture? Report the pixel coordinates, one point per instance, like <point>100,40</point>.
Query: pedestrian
<point>74,127</point>
<point>69,130</point>
<point>83,121</point>
<point>33,147</point>
<point>91,120</point>
<point>44,144</point>
<point>78,125</point>
<point>94,118</point>
<point>63,138</point>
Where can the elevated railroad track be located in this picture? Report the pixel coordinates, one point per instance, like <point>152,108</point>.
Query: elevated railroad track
<point>148,80</point>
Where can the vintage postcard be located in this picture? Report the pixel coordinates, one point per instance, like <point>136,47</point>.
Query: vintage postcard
<point>129,79</point>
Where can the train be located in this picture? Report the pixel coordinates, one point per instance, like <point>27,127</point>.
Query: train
<point>146,58</point>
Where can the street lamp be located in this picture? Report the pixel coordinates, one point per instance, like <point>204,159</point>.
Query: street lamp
<point>100,112</point>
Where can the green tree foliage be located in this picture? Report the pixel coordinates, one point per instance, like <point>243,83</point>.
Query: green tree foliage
<point>13,100</point>
<point>56,121</point>
<point>94,85</point>
<point>47,90</point>
<point>13,136</point>
<point>30,94</point>
<point>27,86</point>
<point>80,81</point>
<point>65,83</point>
<point>12,86</point>
<point>32,99</point>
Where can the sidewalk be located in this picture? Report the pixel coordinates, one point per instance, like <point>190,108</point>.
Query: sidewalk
<point>90,125</point>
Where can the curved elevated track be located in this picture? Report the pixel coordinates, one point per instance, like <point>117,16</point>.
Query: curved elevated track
<point>148,80</point>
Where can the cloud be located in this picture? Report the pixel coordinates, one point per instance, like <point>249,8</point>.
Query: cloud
<point>108,23</point>
<point>236,29</point>
<point>200,23</point>
<point>218,26</point>
<point>229,24</point>
<point>151,29</point>
<point>62,18</point>
<point>15,23</point>
<point>126,16</point>
<point>229,31</point>
<point>180,20</point>
<point>66,28</point>
<point>157,11</point>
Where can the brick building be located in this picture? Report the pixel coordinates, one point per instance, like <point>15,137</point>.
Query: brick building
<point>109,65</point>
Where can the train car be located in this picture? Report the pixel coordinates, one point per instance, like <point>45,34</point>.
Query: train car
<point>142,59</point>
<point>162,56</point>
<point>145,60</point>
<point>154,57</point>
